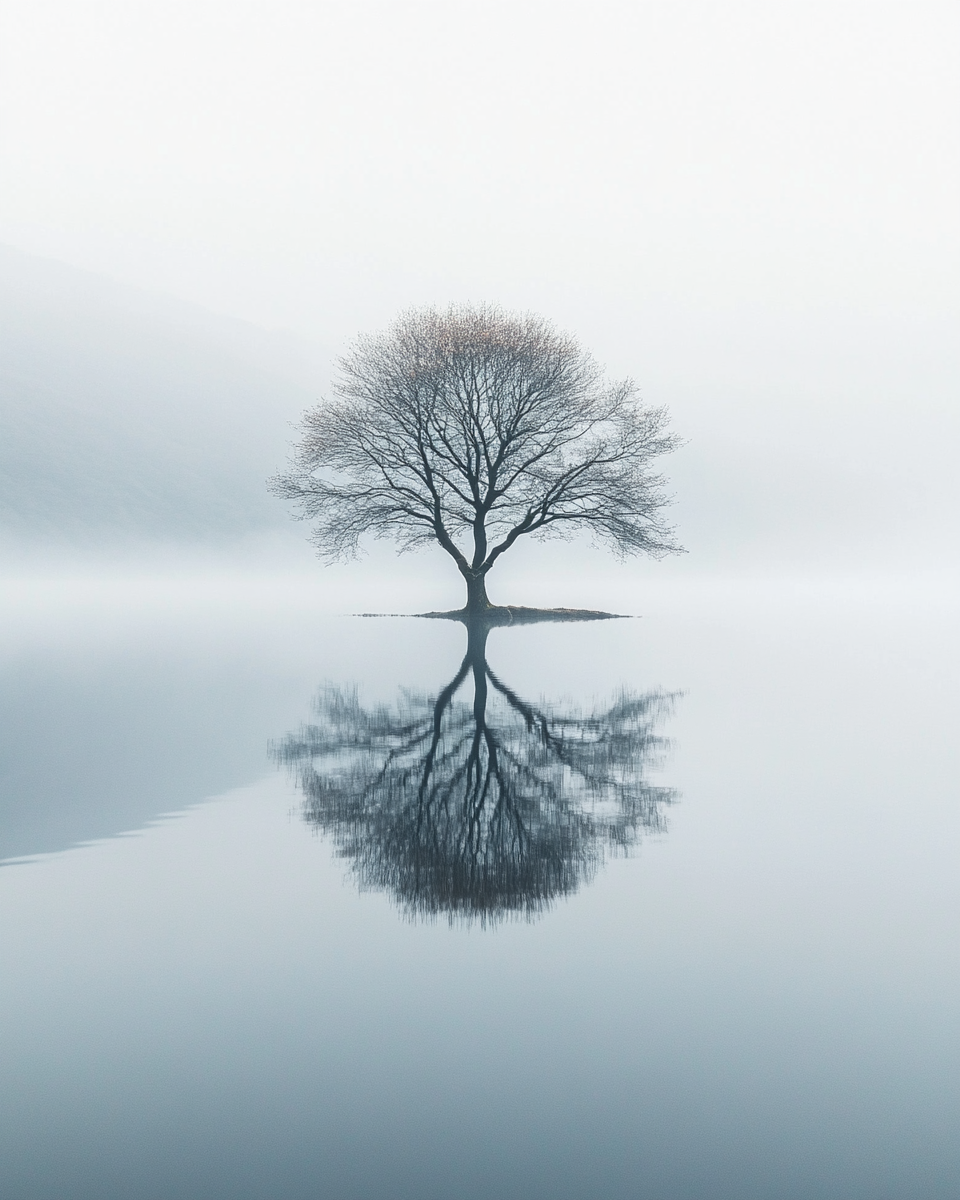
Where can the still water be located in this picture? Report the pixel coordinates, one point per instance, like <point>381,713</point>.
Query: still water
<point>301,905</point>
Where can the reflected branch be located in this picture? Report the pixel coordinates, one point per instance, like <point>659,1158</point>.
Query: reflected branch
<point>479,809</point>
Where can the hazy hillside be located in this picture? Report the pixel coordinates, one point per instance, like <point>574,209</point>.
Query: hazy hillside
<point>126,415</point>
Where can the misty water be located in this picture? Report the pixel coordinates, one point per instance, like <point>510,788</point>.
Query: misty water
<point>673,912</point>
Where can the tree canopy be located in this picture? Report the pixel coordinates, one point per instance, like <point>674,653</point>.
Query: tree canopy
<point>472,427</point>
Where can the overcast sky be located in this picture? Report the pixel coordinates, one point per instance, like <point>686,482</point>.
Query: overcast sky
<point>751,208</point>
<point>305,163</point>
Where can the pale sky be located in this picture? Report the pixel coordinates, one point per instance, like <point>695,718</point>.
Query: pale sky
<point>298,164</point>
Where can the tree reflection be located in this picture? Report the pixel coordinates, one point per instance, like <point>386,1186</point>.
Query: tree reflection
<point>478,810</point>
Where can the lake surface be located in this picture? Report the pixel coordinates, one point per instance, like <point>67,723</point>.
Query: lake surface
<point>678,918</point>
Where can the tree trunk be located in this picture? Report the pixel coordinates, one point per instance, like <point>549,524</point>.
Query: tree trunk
<point>477,601</point>
<point>477,654</point>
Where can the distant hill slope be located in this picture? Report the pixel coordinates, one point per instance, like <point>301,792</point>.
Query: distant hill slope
<point>124,415</point>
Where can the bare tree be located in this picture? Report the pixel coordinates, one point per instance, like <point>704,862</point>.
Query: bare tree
<point>473,428</point>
